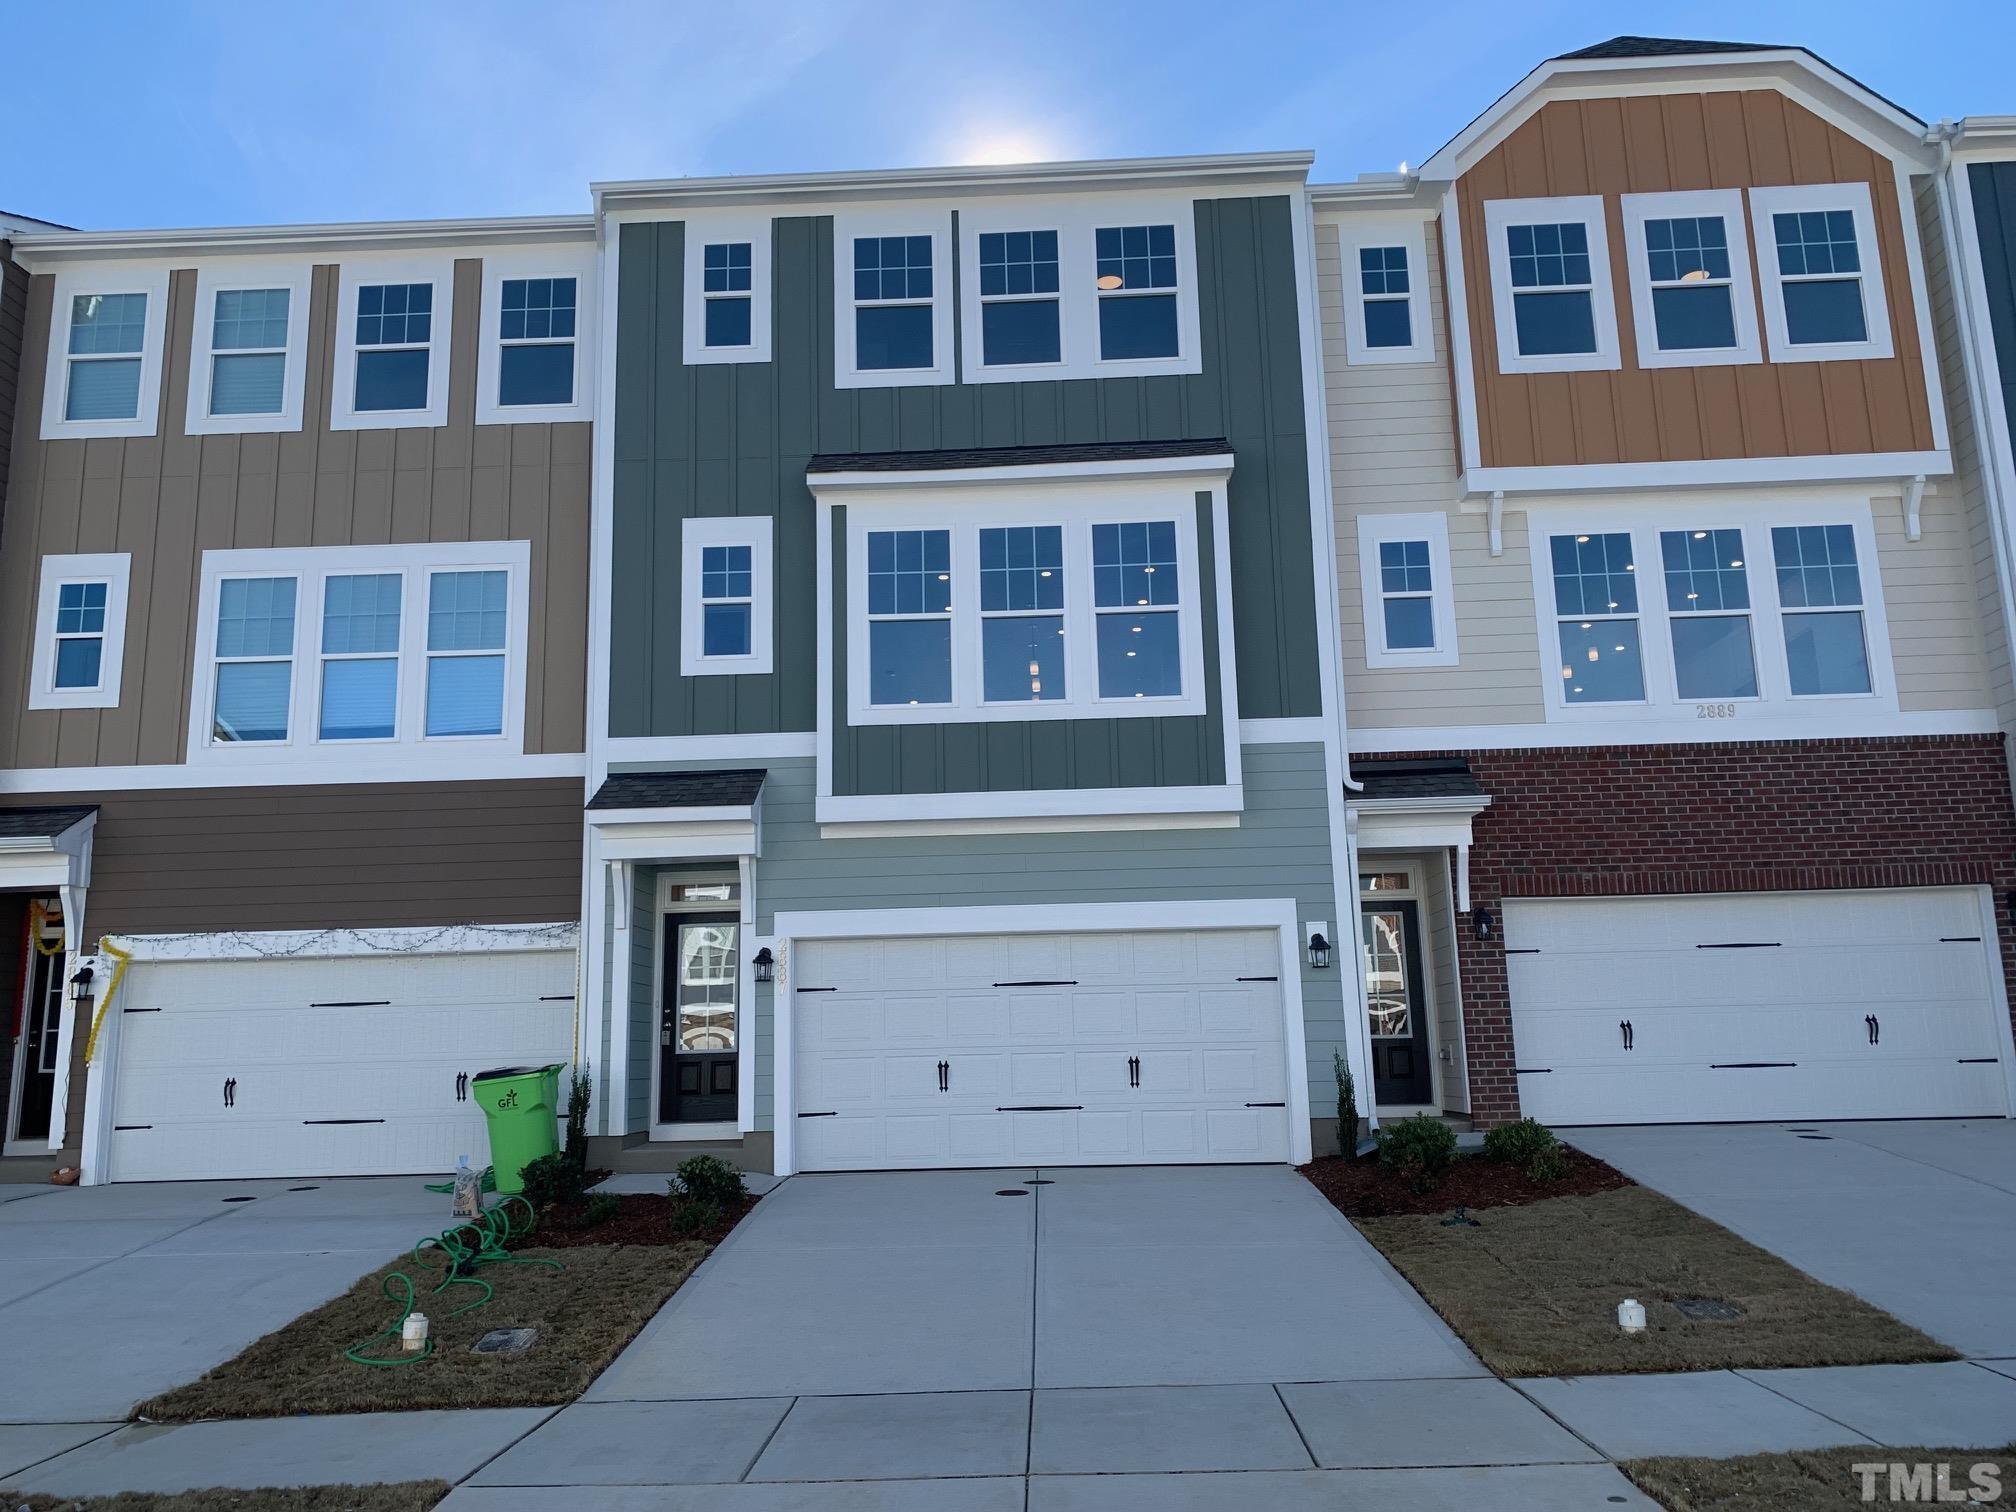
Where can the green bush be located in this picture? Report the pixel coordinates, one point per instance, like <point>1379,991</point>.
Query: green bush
<point>1418,1150</point>
<point>580,1089</point>
<point>602,1207</point>
<point>1550,1164</point>
<point>554,1179</point>
<point>1519,1143</point>
<point>1347,1104</point>
<point>697,1216</point>
<point>708,1179</point>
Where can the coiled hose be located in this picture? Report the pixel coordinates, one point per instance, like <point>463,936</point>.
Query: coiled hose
<point>464,1247</point>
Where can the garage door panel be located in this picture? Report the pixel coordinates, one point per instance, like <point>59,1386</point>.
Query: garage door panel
<point>1135,1050</point>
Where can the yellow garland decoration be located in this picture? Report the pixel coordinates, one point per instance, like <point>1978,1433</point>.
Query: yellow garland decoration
<point>124,958</point>
<point>37,917</point>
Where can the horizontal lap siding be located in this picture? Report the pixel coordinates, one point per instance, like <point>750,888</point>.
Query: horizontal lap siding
<point>168,498</point>
<point>735,439</point>
<point>1280,849</point>
<point>13,320</point>
<point>1648,144</point>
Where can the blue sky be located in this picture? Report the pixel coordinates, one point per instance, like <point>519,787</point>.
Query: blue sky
<point>147,113</point>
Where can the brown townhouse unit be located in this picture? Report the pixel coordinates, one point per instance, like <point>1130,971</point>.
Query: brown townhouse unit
<point>1671,606</point>
<point>293,614</point>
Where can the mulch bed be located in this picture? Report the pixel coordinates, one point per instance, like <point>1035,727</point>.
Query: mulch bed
<point>1360,1188</point>
<point>641,1218</point>
<point>406,1496</point>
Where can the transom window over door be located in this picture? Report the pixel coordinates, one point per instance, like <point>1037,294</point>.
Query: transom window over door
<point>1019,312</point>
<point>910,617</point>
<point>1596,606</point>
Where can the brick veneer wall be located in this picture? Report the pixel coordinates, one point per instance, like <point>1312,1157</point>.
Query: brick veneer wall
<point>1746,816</point>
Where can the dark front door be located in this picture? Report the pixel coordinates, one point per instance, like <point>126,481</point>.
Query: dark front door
<point>42,1032</point>
<point>1394,998</point>
<point>698,1024</point>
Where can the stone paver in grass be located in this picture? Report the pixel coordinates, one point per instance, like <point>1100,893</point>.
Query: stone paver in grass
<point>1533,1289</point>
<point>1815,1480</point>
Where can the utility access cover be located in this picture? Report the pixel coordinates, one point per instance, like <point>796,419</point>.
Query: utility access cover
<point>1707,1310</point>
<point>506,1341</point>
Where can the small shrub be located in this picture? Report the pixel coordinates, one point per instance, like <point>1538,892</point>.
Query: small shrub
<point>696,1215</point>
<point>553,1179</point>
<point>709,1179</point>
<point>580,1090</point>
<point>1519,1143</point>
<point>602,1207</point>
<point>1347,1104</point>
<point>1418,1150</point>
<point>1550,1164</point>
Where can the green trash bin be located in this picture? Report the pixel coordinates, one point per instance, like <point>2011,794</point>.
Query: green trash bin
<point>519,1103</point>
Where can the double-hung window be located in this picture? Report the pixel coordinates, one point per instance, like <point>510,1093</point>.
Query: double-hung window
<point>893,302</point>
<point>1136,279</point>
<point>1689,262</point>
<point>1410,605</point>
<point>250,360</point>
<point>1823,273</point>
<point>1596,618</point>
<point>727,289</point>
<point>892,297</point>
<point>1031,609</point>
<point>727,281</point>
<point>1550,279</point>
<point>248,351</point>
<point>1384,273</point>
<point>393,322</point>
<point>725,595</point>
<point>105,338</point>
<point>80,632</point>
<point>1741,631</point>
<point>536,322</point>
<point>323,654</point>
<point>1021,320</point>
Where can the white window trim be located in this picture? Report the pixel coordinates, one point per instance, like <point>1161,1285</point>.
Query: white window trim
<point>114,569</point>
<point>1775,703</point>
<point>1373,532</point>
<point>577,263</point>
<point>1354,236</point>
<point>105,278</point>
<point>214,278</point>
<point>1076,222</point>
<point>706,229</point>
<point>1727,203</point>
<point>356,272</point>
<point>1588,209</point>
<point>695,534</point>
<point>410,748</point>
<point>898,220</point>
<point>1854,198</point>
<point>1076,510</point>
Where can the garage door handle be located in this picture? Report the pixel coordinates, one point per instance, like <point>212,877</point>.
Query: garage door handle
<point>944,1076</point>
<point>462,1086</point>
<point>1044,1108</point>
<point>1624,1028</point>
<point>1875,1027</point>
<point>230,1091</point>
<point>1133,1070</point>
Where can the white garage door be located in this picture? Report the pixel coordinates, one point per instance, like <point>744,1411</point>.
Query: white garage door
<point>345,1067</point>
<point>1755,1006</point>
<point>1081,1049</point>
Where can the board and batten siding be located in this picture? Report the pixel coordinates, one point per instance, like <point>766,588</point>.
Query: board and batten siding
<point>735,439</point>
<point>169,497</point>
<point>1992,190</point>
<point>359,856</point>
<point>1023,755</point>
<point>1280,848</point>
<point>1737,139</point>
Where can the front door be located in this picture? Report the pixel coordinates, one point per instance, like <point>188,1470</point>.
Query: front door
<point>699,1024</point>
<point>1401,1073</point>
<point>41,1035</point>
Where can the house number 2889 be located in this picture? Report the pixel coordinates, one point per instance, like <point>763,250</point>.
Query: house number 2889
<point>1715,711</point>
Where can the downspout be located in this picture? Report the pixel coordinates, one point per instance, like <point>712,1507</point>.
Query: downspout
<point>1978,398</point>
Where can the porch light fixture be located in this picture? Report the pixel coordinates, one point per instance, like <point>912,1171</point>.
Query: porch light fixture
<point>1319,951</point>
<point>765,964</point>
<point>1482,924</point>
<point>80,984</point>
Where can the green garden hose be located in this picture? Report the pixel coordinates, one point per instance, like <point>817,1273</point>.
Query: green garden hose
<point>466,1246</point>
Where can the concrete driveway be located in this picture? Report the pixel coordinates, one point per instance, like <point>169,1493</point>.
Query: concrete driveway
<point>1918,1217</point>
<point>109,1295</point>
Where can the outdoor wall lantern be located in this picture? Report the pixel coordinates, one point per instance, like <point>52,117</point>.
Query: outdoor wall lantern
<point>1319,951</point>
<point>766,965</point>
<point>1483,924</point>
<point>80,985</point>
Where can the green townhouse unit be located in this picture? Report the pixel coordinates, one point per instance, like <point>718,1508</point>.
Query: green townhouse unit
<point>965,781</point>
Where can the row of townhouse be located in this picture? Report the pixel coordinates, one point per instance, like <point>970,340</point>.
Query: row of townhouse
<point>1030,665</point>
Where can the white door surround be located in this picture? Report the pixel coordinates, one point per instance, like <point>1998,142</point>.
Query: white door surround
<point>1279,917</point>
<point>1759,1006</point>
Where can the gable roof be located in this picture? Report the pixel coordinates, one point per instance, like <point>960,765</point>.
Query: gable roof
<point>1665,47</point>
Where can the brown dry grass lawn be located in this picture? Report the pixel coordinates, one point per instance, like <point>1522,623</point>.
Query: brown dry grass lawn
<point>409,1496</point>
<point>584,1315</point>
<point>1817,1480</point>
<point>1534,1291</point>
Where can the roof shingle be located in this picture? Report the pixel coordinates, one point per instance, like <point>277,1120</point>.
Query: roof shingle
<point>733,788</point>
<point>1414,777</point>
<point>1016,456</point>
<point>27,823</point>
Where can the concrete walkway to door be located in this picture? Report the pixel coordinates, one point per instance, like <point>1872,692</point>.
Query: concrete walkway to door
<point>1915,1215</point>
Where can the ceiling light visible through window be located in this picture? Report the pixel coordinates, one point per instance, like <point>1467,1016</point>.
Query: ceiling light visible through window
<point>1700,535</point>
<point>1582,540</point>
<point>1594,654</point>
<point>1111,281</point>
<point>1694,275</point>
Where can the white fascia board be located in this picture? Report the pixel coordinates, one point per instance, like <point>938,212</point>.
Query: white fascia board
<point>677,842</point>
<point>1372,808</point>
<point>38,251</point>
<point>899,829</point>
<point>1986,134</point>
<point>331,944</point>
<point>719,813</point>
<point>1870,724</point>
<point>1052,803</point>
<point>1625,476</point>
<point>1214,469</point>
<point>985,178</point>
<point>135,779</point>
<point>1033,918</point>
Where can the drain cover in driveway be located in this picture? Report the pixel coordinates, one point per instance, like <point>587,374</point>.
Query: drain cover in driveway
<point>1707,1310</point>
